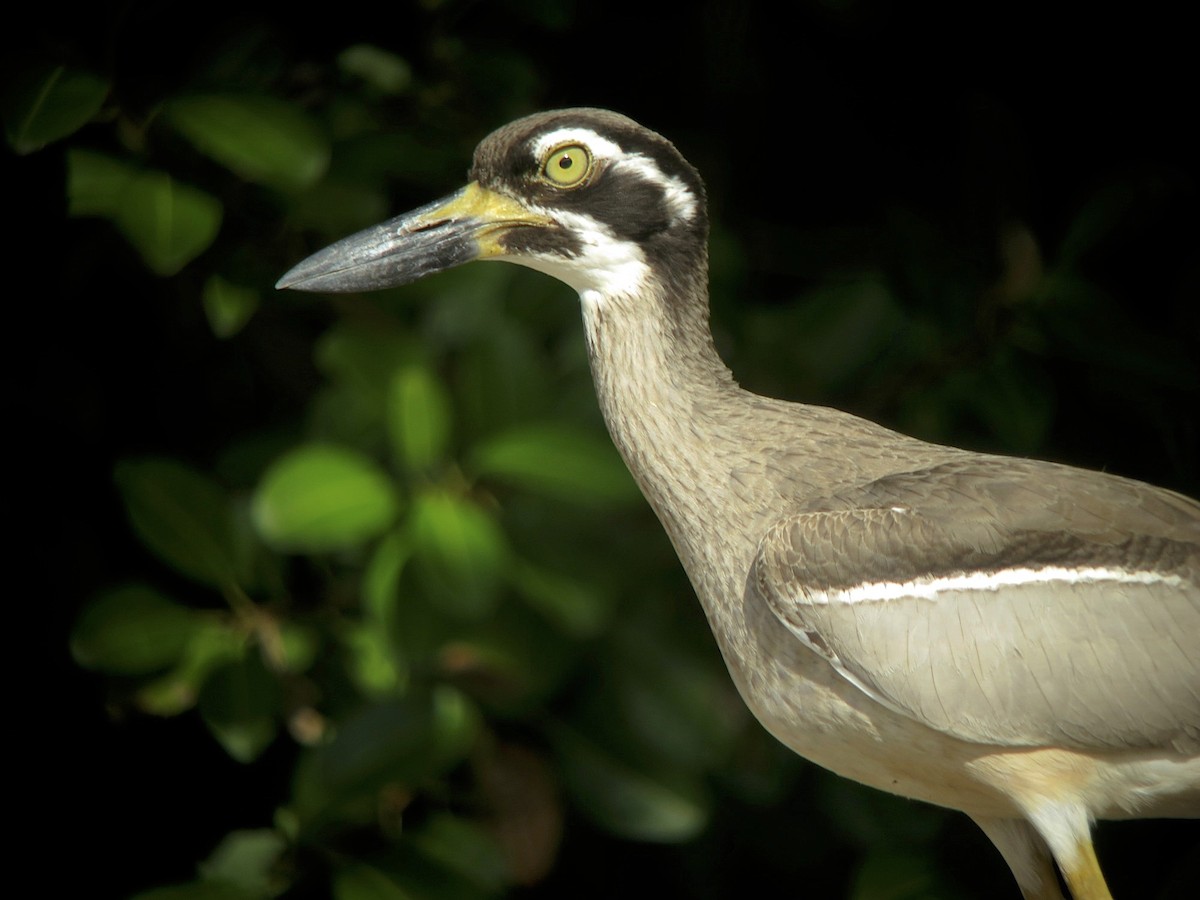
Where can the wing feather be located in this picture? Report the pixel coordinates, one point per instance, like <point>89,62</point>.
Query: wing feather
<point>998,608</point>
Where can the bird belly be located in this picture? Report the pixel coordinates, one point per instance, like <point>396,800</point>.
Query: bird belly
<point>803,701</point>
<point>1110,785</point>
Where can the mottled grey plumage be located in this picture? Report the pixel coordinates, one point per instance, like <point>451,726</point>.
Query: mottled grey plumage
<point>1011,638</point>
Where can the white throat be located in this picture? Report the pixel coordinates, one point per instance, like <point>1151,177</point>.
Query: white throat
<point>604,267</point>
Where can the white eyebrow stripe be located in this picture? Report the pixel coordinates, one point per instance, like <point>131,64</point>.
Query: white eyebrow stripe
<point>601,147</point>
<point>680,199</point>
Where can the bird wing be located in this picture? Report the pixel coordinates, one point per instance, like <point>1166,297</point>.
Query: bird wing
<point>1003,602</point>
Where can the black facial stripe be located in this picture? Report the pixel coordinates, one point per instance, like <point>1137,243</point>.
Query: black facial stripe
<point>543,241</point>
<point>632,207</point>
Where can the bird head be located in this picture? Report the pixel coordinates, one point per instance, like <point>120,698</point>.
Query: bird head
<point>585,195</point>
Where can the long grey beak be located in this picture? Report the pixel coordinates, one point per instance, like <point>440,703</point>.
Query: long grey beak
<point>464,226</point>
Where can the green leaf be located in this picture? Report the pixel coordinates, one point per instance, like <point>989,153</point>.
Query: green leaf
<point>673,703</point>
<point>418,410</point>
<point>381,578</point>
<point>334,209</point>
<point>183,516</point>
<point>364,358</point>
<point>215,643</point>
<point>320,498</point>
<point>403,741</point>
<point>361,363</point>
<point>580,609</point>
<point>503,379</point>
<point>385,72</point>
<point>405,874</point>
<point>558,461</point>
<point>372,661</point>
<point>1014,400</point>
<point>48,103</point>
<point>247,859</point>
<point>463,847</point>
<point>837,330</point>
<point>513,663</point>
<point>459,551</point>
<point>241,704</point>
<point>133,630</point>
<point>260,138</point>
<point>96,184</point>
<point>662,806</point>
<point>169,223</point>
<point>228,306</point>
<point>342,416</point>
<point>456,727</point>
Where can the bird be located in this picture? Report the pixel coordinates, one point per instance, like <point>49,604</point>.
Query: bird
<point>1012,638</point>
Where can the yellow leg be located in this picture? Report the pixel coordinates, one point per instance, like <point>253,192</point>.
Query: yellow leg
<point>1067,831</point>
<point>1083,874</point>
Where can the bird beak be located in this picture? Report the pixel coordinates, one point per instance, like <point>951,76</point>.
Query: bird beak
<point>467,225</point>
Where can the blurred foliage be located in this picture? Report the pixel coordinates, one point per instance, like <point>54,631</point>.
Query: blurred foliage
<point>421,583</point>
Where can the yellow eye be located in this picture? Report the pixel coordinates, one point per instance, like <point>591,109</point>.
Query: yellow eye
<point>569,165</point>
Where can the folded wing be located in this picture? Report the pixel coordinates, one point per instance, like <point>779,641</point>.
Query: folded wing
<point>1003,606</point>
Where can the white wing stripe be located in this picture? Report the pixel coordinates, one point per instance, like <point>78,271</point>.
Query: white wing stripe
<point>929,588</point>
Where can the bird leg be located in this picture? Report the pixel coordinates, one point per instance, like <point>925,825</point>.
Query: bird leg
<point>1084,877</point>
<point>1026,854</point>
<point>1067,831</point>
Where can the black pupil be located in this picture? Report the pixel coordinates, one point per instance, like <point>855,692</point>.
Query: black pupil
<point>566,162</point>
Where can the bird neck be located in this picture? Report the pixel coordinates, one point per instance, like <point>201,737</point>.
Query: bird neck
<point>666,397</point>
<point>656,370</point>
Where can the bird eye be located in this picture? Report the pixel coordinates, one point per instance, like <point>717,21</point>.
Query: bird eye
<point>568,166</point>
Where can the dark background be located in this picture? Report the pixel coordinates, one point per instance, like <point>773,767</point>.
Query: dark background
<point>824,132</point>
